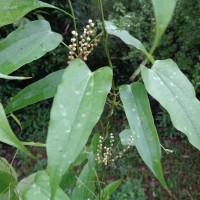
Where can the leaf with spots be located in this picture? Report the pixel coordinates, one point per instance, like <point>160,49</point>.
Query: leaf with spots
<point>77,107</point>
<point>37,186</point>
<point>27,43</point>
<point>171,88</point>
<point>136,105</point>
<point>126,137</point>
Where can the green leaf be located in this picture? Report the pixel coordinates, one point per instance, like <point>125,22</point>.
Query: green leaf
<point>126,38</point>
<point>6,134</point>
<point>126,137</point>
<point>40,188</point>
<point>13,77</point>
<point>163,11</point>
<point>26,44</point>
<point>13,10</point>
<point>85,184</point>
<point>171,88</point>
<point>8,177</point>
<point>108,190</point>
<point>35,92</point>
<point>138,112</point>
<point>76,109</point>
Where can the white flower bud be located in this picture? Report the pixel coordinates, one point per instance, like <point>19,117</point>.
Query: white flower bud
<point>89,21</point>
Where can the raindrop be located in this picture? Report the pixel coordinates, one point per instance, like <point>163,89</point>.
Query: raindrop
<point>77,92</point>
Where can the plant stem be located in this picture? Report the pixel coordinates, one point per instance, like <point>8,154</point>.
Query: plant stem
<point>74,21</point>
<point>34,144</point>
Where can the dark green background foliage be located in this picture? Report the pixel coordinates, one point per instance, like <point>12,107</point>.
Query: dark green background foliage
<point>181,42</point>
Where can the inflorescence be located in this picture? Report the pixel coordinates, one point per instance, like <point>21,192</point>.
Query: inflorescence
<point>83,45</point>
<point>104,154</point>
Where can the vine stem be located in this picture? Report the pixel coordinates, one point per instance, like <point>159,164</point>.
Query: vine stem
<point>74,21</point>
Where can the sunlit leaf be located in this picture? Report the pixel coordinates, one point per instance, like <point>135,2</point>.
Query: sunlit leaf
<point>76,109</point>
<point>138,112</point>
<point>26,44</point>
<point>35,92</point>
<point>171,88</point>
<point>6,134</point>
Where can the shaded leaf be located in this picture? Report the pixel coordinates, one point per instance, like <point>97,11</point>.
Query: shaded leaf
<point>85,184</point>
<point>76,109</point>
<point>26,44</point>
<point>126,137</point>
<point>6,134</point>
<point>8,177</point>
<point>35,92</point>
<point>138,112</point>
<point>108,190</point>
<point>126,38</point>
<point>171,88</point>
<point>13,10</point>
<point>39,188</point>
<point>163,11</point>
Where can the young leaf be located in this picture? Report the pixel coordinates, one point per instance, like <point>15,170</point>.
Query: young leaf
<point>108,190</point>
<point>85,184</point>
<point>26,44</point>
<point>76,109</point>
<point>170,87</point>
<point>6,134</point>
<point>13,10</point>
<point>40,188</point>
<point>126,38</point>
<point>126,137</point>
<point>138,112</point>
<point>163,11</point>
<point>35,92</point>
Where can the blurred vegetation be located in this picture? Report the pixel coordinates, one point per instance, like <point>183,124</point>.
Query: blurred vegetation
<point>181,42</point>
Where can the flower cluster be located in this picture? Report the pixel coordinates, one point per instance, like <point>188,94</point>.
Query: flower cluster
<point>83,45</point>
<point>105,153</point>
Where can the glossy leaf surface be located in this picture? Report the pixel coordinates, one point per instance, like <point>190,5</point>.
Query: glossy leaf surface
<point>126,37</point>
<point>40,188</point>
<point>35,92</point>
<point>13,10</point>
<point>26,44</point>
<point>126,137</point>
<point>171,88</point>
<point>76,109</point>
<point>163,11</point>
<point>6,134</point>
<point>138,112</point>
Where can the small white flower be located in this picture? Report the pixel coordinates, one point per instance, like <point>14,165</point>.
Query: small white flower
<point>89,21</point>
